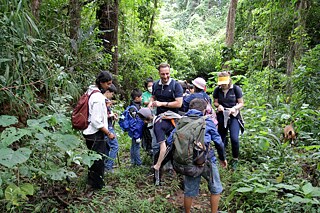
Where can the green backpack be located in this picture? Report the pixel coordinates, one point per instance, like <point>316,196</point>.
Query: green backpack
<point>189,148</point>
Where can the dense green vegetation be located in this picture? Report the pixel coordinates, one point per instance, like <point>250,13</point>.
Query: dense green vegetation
<point>274,57</point>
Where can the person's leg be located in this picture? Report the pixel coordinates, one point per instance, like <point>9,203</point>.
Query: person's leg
<point>114,147</point>
<point>234,136</point>
<point>191,190</point>
<point>214,201</point>
<point>155,145</point>
<point>156,178</point>
<point>187,204</point>
<point>96,142</point>
<point>132,157</point>
<point>137,154</point>
<point>214,185</point>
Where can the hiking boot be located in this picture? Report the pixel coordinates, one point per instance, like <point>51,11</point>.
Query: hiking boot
<point>234,164</point>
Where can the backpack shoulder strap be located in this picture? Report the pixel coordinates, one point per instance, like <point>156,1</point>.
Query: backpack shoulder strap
<point>174,88</point>
<point>94,91</point>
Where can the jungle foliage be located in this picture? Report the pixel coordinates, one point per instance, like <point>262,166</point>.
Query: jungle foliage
<point>43,71</point>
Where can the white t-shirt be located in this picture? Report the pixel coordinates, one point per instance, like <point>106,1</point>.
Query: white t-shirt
<point>98,115</point>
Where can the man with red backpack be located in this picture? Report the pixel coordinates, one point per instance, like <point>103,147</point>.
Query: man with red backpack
<point>95,133</point>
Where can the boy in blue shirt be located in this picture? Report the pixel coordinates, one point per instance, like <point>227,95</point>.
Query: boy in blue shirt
<point>112,144</point>
<point>136,98</point>
<point>197,107</point>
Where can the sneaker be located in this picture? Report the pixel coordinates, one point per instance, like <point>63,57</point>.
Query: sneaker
<point>234,164</point>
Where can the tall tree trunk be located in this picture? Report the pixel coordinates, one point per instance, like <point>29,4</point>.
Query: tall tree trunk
<point>35,8</point>
<point>231,23</point>
<point>296,46</point>
<point>108,14</point>
<point>152,21</point>
<point>75,18</point>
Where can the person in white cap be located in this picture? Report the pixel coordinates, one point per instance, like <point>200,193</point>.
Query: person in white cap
<point>199,92</point>
<point>228,99</point>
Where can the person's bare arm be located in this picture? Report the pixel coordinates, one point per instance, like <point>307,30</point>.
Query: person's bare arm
<point>177,103</point>
<point>239,104</point>
<point>107,132</point>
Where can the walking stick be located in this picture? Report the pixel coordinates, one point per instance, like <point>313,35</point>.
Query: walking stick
<point>113,122</point>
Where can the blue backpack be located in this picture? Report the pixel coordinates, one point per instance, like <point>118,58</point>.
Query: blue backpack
<point>130,122</point>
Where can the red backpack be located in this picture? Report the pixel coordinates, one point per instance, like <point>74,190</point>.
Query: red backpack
<point>80,114</point>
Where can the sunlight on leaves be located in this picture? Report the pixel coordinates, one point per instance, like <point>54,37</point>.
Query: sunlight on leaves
<point>245,189</point>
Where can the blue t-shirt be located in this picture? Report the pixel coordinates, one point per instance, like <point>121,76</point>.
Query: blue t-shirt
<point>187,99</point>
<point>167,93</point>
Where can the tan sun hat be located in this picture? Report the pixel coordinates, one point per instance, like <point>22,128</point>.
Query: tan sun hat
<point>200,83</point>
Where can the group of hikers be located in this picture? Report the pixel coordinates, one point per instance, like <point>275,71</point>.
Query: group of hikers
<point>164,113</point>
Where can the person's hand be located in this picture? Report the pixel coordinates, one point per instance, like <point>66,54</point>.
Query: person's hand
<point>232,110</point>
<point>156,104</point>
<point>150,105</point>
<point>111,136</point>
<point>116,116</point>
<point>156,167</point>
<point>224,163</point>
<point>220,108</point>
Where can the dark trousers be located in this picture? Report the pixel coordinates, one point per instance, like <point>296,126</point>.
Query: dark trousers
<point>234,128</point>
<point>96,142</point>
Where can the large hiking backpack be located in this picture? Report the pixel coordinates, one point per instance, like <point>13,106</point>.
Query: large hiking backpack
<point>130,122</point>
<point>80,113</point>
<point>189,148</point>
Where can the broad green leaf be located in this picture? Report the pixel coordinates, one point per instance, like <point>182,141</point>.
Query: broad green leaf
<point>245,189</point>
<point>88,159</point>
<point>261,190</point>
<point>57,173</point>
<point>11,134</point>
<point>27,188</point>
<point>10,158</point>
<point>7,120</point>
<point>307,188</point>
<point>316,192</point>
<point>11,194</point>
<point>263,118</point>
<point>286,186</point>
<point>297,199</point>
<point>66,142</point>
